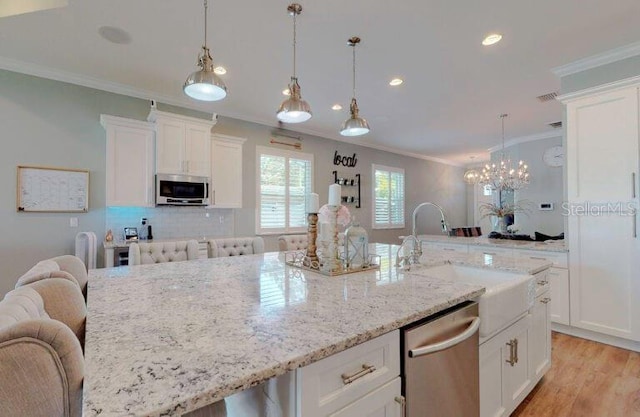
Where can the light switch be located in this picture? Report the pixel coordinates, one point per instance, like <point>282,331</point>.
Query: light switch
<point>73,222</point>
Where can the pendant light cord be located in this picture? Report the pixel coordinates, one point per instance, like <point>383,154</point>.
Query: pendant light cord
<point>205,22</point>
<point>294,44</point>
<point>354,70</point>
<point>502,116</point>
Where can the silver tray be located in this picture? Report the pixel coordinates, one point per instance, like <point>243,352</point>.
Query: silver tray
<point>298,259</point>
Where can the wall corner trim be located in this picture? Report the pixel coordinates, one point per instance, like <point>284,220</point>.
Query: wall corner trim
<point>598,60</point>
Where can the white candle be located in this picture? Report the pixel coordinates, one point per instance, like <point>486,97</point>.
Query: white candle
<point>314,203</point>
<point>335,192</point>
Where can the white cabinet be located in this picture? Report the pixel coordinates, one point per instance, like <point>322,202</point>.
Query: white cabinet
<point>183,144</point>
<point>360,381</point>
<point>446,247</point>
<point>382,402</point>
<point>129,162</point>
<point>490,250</point>
<point>602,186</point>
<point>505,376</point>
<point>559,305</point>
<point>540,342</point>
<point>226,171</point>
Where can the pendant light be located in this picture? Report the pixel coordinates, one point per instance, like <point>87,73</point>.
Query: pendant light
<point>502,175</point>
<point>294,109</point>
<point>205,84</point>
<point>354,125</point>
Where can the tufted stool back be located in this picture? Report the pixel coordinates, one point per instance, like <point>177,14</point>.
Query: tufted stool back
<point>292,242</point>
<point>68,267</point>
<point>158,252</point>
<point>235,246</point>
<point>41,363</point>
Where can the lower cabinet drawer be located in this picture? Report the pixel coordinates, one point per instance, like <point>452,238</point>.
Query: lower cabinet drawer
<point>384,401</point>
<point>326,386</point>
<point>559,259</point>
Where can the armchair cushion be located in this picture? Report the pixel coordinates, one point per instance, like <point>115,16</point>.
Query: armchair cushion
<point>235,246</point>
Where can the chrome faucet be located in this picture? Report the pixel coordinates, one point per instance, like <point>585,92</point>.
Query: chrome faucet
<point>416,251</point>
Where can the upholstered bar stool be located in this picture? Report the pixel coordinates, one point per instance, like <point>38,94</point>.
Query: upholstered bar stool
<point>67,267</point>
<point>292,242</point>
<point>235,246</point>
<point>158,252</point>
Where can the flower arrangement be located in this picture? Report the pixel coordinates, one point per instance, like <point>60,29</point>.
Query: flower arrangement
<point>343,215</point>
<point>501,210</point>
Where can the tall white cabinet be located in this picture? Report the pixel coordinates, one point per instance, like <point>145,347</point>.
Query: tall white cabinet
<point>226,171</point>
<point>603,156</point>
<point>129,162</point>
<point>183,144</point>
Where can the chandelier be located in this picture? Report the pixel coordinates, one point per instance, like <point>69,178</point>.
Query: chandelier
<point>503,175</point>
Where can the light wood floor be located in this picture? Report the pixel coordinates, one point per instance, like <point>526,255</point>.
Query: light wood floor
<point>586,379</point>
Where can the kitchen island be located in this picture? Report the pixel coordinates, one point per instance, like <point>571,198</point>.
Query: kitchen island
<point>169,338</point>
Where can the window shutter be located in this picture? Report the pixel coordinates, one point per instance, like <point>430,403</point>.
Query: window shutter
<point>388,197</point>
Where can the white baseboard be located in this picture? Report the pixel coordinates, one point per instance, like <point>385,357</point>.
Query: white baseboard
<point>597,337</point>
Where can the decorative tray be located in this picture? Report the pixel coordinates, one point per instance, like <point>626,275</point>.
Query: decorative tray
<point>299,259</point>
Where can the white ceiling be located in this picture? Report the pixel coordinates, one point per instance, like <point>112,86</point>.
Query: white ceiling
<point>454,87</point>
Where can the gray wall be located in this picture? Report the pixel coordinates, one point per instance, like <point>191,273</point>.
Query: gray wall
<point>604,74</point>
<point>49,123</point>
<point>546,186</point>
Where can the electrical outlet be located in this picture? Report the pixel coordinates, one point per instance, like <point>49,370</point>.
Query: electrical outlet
<point>221,219</point>
<point>73,222</point>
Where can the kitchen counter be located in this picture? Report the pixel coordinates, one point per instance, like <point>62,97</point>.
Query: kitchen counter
<point>169,338</point>
<point>548,246</point>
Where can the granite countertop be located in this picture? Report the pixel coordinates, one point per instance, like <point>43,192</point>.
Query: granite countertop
<point>548,246</point>
<point>169,338</point>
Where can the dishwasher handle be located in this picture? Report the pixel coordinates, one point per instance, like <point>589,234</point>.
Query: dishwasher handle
<point>445,344</point>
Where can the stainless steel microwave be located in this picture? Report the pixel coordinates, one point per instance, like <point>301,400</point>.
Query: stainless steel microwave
<point>181,190</point>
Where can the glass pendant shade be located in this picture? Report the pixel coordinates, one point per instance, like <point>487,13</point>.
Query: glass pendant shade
<point>472,176</point>
<point>204,84</point>
<point>294,109</point>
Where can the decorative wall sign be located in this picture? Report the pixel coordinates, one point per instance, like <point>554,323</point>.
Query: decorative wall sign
<point>347,161</point>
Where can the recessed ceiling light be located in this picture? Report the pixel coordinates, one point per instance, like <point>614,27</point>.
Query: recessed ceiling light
<point>286,92</point>
<point>396,81</point>
<point>220,70</point>
<point>491,39</point>
<point>114,35</point>
<point>336,107</point>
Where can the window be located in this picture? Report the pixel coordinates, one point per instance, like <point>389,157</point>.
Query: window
<point>284,181</point>
<point>388,197</point>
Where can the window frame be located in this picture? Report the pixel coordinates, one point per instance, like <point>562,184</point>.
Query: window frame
<point>388,170</point>
<point>265,150</point>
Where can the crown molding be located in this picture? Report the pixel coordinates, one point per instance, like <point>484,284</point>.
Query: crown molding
<point>529,138</point>
<point>615,85</point>
<point>35,70</point>
<point>598,60</point>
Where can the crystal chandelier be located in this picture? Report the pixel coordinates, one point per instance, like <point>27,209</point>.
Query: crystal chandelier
<point>503,175</point>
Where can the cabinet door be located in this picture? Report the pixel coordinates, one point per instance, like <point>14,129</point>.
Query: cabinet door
<point>382,402</point>
<point>540,341</point>
<point>129,163</point>
<point>602,146</point>
<point>559,310</point>
<point>226,174</point>
<point>516,376</point>
<point>603,265</point>
<point>198,149</point>
<point>170,138</point>
<point>491,404</point>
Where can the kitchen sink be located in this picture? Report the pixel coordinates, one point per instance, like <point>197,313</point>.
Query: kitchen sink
<point>507,295</point>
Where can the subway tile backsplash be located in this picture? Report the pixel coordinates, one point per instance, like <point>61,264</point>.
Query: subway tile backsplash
<point>172,222</point>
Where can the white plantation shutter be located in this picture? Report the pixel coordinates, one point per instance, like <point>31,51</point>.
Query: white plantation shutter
<point>285,181</point>
<point>388,197</point>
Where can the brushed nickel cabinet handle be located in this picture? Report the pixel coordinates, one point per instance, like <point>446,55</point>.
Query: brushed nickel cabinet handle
<point>539,258</point>
<point>403,403</point>
<point>633,185</point>
<point>545,300</point>
<point>516,349</point>
<point>635,224</point>
<point>366,369</point>
<point>543,282</point>
<point>512,358</point>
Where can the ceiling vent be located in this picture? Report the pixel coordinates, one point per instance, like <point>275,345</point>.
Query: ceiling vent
<point>548,97</point>
<point>555,125</point>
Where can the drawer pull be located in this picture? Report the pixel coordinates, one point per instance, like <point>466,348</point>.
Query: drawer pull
<point>513,352</point>
<point>366,369</point>
<point>449,249</point>
<point>545,300</point>
<point>539,258</point>
<point>543,282</point>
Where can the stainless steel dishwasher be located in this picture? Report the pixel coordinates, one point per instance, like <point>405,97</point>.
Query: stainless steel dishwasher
<point>440,364</point>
